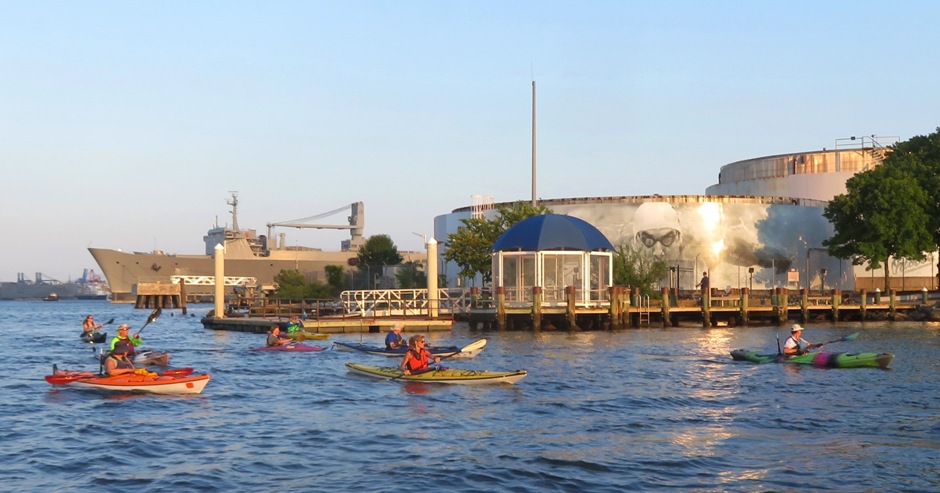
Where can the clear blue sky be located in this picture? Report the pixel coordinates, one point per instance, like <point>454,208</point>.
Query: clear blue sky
<point>126,124</point>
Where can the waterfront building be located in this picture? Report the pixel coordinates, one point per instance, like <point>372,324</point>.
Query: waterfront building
<point>761,226</point>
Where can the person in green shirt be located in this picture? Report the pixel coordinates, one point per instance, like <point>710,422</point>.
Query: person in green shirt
<point>122,335</point>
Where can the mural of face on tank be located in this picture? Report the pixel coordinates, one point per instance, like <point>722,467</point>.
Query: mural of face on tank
<point>780,242</point>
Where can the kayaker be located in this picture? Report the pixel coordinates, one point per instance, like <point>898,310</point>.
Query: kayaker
<point>134,340</point>
<point>795,344</point>
<point>118,362</point>
<point>274,337</point>
<point>294,325</point>
<point>394,340</point>
<point>89,327</point>
<point>417,358</point>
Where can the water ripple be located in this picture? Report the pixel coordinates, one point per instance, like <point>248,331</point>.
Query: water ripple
<point>633,410</point>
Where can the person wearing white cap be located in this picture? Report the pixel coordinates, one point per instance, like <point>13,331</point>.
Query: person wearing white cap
<point>394,340</point>
<point>795,344</point>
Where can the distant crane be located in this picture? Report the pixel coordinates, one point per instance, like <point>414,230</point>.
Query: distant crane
<point>89,276</point>
<point>356,226</point>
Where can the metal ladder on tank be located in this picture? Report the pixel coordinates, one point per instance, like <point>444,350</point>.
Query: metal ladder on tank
<point>644,310</point>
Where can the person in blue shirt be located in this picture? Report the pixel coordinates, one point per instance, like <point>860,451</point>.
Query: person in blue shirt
<point>394,340</point>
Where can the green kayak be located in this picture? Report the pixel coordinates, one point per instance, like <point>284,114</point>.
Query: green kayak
<point>443,375</point>
<point>823,360</point>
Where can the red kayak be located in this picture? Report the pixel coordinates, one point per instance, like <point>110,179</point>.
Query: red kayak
<point>63,377</point>
<point>297,347</point>
<point>178,381</point>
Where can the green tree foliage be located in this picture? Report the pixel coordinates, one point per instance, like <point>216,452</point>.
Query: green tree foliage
<point>469,247</point>
<point>883,214</point>
<point>638,268</point>
<point>410,276</point>
<point>378,251</point>
<point>292,285</point>
<point>334,278</point>
<point>922,155</point>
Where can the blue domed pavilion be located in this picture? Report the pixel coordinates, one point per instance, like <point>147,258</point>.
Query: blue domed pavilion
<point>553,251</point>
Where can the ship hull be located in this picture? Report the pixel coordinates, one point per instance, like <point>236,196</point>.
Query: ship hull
<point>124,270</point>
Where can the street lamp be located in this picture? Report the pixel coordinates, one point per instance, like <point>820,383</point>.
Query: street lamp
<point>750,281</point>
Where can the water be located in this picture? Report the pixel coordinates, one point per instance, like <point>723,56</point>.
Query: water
<point>632,410</point>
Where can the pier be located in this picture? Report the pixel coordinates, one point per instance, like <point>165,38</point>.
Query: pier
<point>366,311</point>
<point>626,307</point>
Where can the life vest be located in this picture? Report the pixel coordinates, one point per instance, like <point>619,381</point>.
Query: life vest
<point>418,361</point>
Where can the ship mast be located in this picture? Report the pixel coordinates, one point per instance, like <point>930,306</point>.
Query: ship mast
<point>234,204</point>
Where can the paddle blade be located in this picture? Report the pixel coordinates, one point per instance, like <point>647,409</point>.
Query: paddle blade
<point>850,337</point>
<point>153,316</point>
<point>473,346</point>
<point>110,321</point>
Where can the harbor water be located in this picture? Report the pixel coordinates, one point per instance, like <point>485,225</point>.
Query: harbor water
<point>647,409</point>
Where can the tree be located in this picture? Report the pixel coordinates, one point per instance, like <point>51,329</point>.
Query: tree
<point>378,251</point>
<point>334,278</point>
<point>410,276</point>
<point>469,247</point>
<point>290,284</point>
<point>883,214</point>
<point>924,153</point>
<point>637,268</point>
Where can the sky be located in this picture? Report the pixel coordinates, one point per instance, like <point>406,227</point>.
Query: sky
<point>126,125</point>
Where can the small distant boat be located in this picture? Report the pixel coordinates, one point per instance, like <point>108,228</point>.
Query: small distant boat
<point>51,297</point>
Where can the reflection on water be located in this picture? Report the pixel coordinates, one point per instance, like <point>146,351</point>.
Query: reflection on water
<point>632,410</point>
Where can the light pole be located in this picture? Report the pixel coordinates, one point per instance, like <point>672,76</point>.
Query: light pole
<point>750,280</point>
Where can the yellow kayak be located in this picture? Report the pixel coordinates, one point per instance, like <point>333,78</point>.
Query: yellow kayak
<point>313,336</point>
<point>439,375</point>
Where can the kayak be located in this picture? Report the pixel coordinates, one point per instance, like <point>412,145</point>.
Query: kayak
<point>94,337</point>
<point>449,351</point>
<point>63,377</point>
<point>168,383</point>
<point>821,359</point>
<point>314,336</point>
<point>442,375</point>
<point>151,358</point>
<point>295,347</point>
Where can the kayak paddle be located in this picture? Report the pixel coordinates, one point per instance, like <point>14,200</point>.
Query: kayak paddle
<point>850,337</point>
<point>152,318</point>
<point>473,346</point>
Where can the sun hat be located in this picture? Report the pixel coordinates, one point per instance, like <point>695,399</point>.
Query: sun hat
<point>122,347</point>
<point>796,328</point>
<point>397,326</point>
<point>123,327</point>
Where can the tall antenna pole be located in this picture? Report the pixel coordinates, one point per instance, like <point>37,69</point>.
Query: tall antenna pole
<point>534,196</point>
